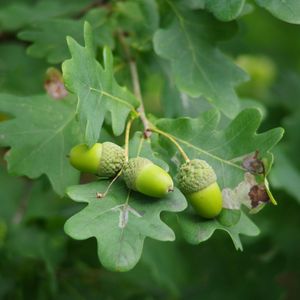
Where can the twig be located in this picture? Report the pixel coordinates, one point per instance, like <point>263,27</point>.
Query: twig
<point>137,92</point>
<point>136,84</point>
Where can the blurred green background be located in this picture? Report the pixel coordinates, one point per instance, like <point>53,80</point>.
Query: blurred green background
<point>38,261</point>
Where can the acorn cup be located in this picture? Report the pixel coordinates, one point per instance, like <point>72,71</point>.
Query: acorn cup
<point>198,182</point>
<point>142,175</point>
<point>103,160</point>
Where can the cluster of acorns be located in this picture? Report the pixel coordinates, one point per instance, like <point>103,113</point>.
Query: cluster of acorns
<point>196,178</point>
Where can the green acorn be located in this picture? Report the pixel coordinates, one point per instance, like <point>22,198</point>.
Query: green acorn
<point>104,160</point>
<point>198,181</point>
<point>142,175</point>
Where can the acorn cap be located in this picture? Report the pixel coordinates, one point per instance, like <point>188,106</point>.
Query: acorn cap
<point>195,175</point>
<point>112,160</point>
<point>131,170</point>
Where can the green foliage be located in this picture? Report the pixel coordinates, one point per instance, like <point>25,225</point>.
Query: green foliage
<point>16,74</point>
<point>49,36</point>
<point>227,10</point>
<point>288,11</point>
<point>224,10</point>
<point>140,19</point>
<point>285,175</point>
<point>198,67</point>
<point>196,231</point>
<point>223,149</point>
<point>14,16</point>
<point>120,222</point>
<point>12,189</point>
<point>167,81</point>
<point>40,135</point>
<point>96,88</point>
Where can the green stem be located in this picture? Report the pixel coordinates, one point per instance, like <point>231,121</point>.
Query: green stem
<point>168,136</point>
<point>127,135</point>
<point>140,146</point>
<point>102,195</point>
<point>137,92</point>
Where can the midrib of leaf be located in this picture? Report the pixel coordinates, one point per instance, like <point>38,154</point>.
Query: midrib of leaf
<point>284,2</point>
<point>125,205</point>
<point>206,152</point>
<point>103,93</point>
<point>228,141</point>
<point>190,45</point>
<point>232,7</point>
<point>61,128</point>
<point>102,213</point>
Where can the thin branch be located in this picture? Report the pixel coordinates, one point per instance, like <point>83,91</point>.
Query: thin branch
<point>136,84</point>
<point>137,92</point>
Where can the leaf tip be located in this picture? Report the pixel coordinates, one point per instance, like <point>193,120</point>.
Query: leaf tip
<point>88,36</point>
<point>281,131</point>
<point>87,28</point>
<point>71,43</point>
<point>107,58</point>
